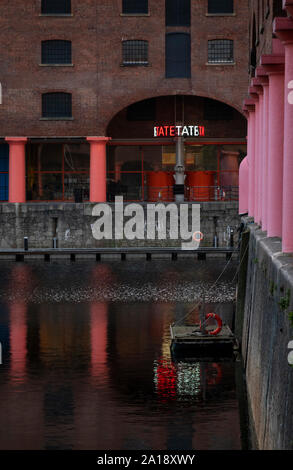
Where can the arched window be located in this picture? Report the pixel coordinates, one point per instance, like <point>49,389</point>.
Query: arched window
<point>135,6</point>
<point>56,51</point>
<point>57,105</point>
<point>177,12</point>
<point>178,55</point>
<point>220,6</point>
<point>56,7</point>
<point>220,51</point>
<point>135,52</point>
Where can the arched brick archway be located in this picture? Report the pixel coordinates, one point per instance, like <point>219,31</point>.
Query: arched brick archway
<point>113,109</point>
<point>220,119</point>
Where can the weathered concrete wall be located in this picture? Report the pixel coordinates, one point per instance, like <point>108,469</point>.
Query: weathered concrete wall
<point>267,330</point>
<point>71,224</point>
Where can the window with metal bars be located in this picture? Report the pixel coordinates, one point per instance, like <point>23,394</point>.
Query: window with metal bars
<point>220,51</point>
<point>220,6</point>
<point>56,51</point>
<point>135,7</point>
<point>177,12</point>
<point>135,52</point>
<point>217,111</point>
<point>57,105</point>
<point>56,7</point>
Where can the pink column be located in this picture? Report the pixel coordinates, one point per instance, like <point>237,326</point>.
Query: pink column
<point>243,186</point>
<point>16,168</point>
<point>250,106</point>
<point>256,155</point>
<point>262,77</point>
<point>283,28</point>
<point>273,64</point>
<point>259,156</point>
<point>98,169</point>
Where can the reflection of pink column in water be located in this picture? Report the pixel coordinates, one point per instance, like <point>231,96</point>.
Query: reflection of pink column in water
<point>273,64</point>
<point>18,349</point>
<point>243,186</point>
<point>99,322</point>
<point>283,28</point>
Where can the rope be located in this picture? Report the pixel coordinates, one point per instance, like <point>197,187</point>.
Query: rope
<point>198,303</point>
<point>212,287</point>
<point>237,271</point>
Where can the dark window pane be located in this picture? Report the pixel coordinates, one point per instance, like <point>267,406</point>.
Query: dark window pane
<point>177,12</point>
<point>49,157</point>
<point>135,6</point>
<point>135,52</point>
<point>56,52</point>
<point>56,105</point>
<point>220,50</point>
<point>76,187</point>
<point>215,110</point>
<point>220,6</point>
<point>4,157</point>
<point>50,187</point>
<point>178,55</point>
<point>58,7</point>
<point>76,157</point>
<point>4,166</point>
<point>143,111</point>
<point>3,187</point>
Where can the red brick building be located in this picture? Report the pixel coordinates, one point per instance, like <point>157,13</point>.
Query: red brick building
<point>84,84</point>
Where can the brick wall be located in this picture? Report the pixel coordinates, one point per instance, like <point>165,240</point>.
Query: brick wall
<point>101,87</point>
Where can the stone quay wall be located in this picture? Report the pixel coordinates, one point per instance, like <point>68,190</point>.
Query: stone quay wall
<point>264,325</point>
<point>71,224</point>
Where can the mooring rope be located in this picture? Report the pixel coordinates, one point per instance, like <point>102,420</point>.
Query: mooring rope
<point>199,302</point>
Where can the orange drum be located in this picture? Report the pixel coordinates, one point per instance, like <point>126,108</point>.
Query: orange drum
<point>160,186</point>
<point>200,184</point>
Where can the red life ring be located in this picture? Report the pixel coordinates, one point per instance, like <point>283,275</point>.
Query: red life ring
<point>218,320</point>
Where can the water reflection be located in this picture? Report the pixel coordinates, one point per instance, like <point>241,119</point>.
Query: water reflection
<point>97,374</point>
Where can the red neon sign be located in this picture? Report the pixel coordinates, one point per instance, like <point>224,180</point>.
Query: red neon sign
<point>179,131</point>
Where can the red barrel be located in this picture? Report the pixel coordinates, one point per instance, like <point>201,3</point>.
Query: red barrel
<point>160,186</point>
<point>200,184</point>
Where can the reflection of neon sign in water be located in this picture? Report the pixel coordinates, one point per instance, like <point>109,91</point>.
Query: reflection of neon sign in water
<point>184,379</point>
<point>165,379</point>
